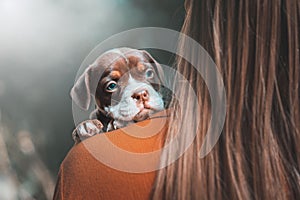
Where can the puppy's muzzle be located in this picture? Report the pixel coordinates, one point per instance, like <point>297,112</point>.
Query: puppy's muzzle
<point>142,95</point>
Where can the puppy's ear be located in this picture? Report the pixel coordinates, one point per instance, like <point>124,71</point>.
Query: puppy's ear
<point>82,89</point>
<point>158,69</point>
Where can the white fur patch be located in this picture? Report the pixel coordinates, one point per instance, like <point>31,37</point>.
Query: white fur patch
<point>128,107</point>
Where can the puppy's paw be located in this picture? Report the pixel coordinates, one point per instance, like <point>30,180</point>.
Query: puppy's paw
<point>87,129</point>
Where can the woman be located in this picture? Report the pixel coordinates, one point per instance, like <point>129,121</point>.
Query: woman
<point>255,45</point>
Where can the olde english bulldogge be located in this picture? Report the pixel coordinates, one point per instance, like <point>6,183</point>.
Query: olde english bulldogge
<point>127,86</point>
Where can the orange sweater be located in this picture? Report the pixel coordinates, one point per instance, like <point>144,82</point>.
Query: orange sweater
<point>113,165</point>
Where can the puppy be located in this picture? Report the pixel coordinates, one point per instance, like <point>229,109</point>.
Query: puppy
<point>126,85</point>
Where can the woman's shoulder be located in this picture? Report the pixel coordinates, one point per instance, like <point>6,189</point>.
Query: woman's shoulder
<point>142,137</point>
<point>124,159</point>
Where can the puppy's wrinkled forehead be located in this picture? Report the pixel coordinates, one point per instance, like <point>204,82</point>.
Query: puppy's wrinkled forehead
<point>127,64</point>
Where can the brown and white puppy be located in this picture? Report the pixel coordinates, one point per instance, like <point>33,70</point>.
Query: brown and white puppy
<point>125,83</point>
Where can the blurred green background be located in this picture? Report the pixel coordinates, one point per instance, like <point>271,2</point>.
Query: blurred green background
<point>42,44</point>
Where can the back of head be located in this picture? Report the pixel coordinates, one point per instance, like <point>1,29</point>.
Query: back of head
<point>255,45</point>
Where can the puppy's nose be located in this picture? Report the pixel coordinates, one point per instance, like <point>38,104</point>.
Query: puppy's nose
<point>141,95</point>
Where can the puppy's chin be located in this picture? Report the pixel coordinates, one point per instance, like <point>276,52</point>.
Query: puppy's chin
<point>132,109</point>
<point>142,115</point>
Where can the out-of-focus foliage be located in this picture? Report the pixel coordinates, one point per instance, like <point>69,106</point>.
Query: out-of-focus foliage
<point>42,44</point>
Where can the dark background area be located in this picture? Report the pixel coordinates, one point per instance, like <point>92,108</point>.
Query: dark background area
<point>42,44</point>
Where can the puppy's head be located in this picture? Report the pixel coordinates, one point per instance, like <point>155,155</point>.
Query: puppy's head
<point>125,83</point>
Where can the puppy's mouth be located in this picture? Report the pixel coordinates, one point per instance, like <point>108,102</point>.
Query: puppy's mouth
<point>143,114</point>
<point>137,103</point>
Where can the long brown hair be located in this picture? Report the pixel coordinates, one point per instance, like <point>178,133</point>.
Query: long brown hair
<point>255,45</point>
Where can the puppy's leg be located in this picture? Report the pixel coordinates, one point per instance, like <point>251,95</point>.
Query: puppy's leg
<point>87,129</point>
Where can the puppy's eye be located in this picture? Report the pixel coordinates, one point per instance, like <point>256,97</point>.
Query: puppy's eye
<point>111,86</point>
<point>149,73</point>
